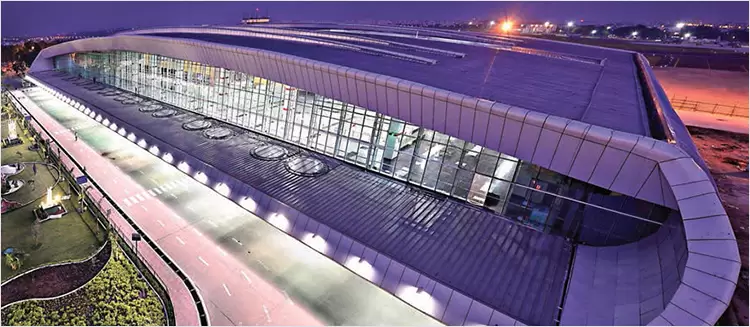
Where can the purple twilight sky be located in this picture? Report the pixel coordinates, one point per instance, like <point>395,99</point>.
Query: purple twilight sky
<point>45,18</point>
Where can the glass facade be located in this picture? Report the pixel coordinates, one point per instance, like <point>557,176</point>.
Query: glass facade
<point>441,163</point>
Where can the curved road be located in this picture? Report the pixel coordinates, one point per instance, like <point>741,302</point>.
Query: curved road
<point>248,272</point>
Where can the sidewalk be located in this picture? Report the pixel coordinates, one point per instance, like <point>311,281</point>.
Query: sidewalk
<point>185,311</point>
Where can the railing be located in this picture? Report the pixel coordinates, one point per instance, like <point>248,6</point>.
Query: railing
<point>683,104</point>
<point>106,206</point>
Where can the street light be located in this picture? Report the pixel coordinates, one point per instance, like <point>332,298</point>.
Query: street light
<point>680,25</point>
<point>492,23</point>
<point>634,34</point>
<point>570,24</point>
<point>687,35</point>
<point>593,32</point>
<point>546,24</point>
<point>507,25</point>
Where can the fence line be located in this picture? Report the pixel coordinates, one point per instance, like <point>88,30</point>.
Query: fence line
<point>684,104</point>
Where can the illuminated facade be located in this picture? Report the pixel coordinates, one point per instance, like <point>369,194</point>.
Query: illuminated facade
<point>447,165</point>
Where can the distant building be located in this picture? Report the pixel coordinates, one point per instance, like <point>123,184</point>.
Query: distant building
<point>256,20</point>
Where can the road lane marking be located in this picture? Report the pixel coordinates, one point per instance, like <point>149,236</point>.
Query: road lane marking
<point>197,231</point>
<point>236,240</point>
<point>222,252</point>
<point>153,180</point>
<point>145,194</point>
<point>180,240</point>
<point>246,278</point>
<point>189,207</point>
<point>226,289</point>
<point>268,316</point>
<point>151,193</point>
<point>263,264</point>
<point>141,171</point>
<point>115,180</point>
<point>127,202</point>
<point>210,222</point>
<point>157,190</point>
<point>144,208</point>
<point>172,194</point>
<point>204,261</point>
<point>140,197</point>
<point>134,200</point>
<point>160,223</point>
<point>166,187</point>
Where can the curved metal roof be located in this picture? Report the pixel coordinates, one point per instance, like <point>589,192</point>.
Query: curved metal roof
<point>588,84</point>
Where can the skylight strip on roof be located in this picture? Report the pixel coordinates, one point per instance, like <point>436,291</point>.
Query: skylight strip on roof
<point>355,39</point>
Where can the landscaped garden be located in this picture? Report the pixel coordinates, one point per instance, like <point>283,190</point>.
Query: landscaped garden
<point>27,243</point>
<point>117,296</point>
<point>43,225</point>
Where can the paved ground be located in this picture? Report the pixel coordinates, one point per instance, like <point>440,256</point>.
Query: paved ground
<point>727,156</point>
<point>247,271</point>
<point>710,86</point>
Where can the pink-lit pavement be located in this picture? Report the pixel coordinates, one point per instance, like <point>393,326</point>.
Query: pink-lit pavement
<point>233,294</point>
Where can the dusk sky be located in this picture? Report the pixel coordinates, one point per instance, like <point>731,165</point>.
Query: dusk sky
<point>45,18</point>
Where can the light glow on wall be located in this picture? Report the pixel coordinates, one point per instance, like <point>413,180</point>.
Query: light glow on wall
<point>167,157</point>
<point>249,204</point>
<point>131,137</point>
<point>418,298</point>
<point>222,189</point>
<point>278,220</point>
<point>184,167</point>
<point>142,143</point>
<point>201,177</point>
<point>361,267</point>
<point>316,242</point>
<point>154,150</point>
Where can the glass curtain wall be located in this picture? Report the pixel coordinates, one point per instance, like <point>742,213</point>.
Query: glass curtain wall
<point>430,159</point>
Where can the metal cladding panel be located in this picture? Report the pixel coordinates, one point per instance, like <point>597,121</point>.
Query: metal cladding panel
<point>469,249</point>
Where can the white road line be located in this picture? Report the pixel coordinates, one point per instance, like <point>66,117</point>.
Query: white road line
<point>145,194</point>
<point>190,208</point>
<point>263,264</point>
<point>246,278</point>
<point>141,171</point>
<point>144,208</point>
<point>197,231</point>
<point>153,180</point>
<point>134,200</point>
<point>126,191</point>
<point>180,240</point>
<point>210,222</point>
<point>166,187</point>
<point>127,202</point>
<point>140,197</point>
<point>204,261</point>
<point>115,180</point>
<point>172,194</point>
<point>268,316</point>
<point>151,193</point>
<point>157,190</point>
<point>160,223</point>
<point>222,252</point>
<point>226,289</point>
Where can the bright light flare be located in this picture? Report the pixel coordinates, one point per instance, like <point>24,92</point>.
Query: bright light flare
<point>279,220</point>
<point>360,267</point>
<point>222,189</point>
<point>201,177</point>
<point>506,26</point>
<point>316,242</point>
<point>417,298</point>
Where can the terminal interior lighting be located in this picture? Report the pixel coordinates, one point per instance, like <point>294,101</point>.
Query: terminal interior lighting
<point>201,177</point>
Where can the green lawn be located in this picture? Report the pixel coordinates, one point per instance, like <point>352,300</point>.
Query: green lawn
<point>72,237</point>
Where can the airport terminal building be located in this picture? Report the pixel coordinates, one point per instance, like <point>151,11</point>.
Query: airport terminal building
<point>507,180</point>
